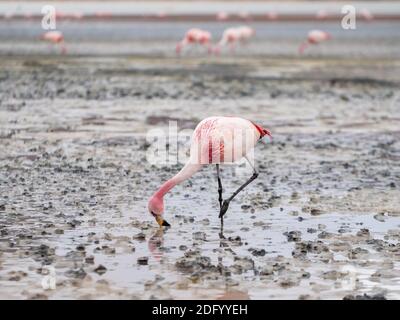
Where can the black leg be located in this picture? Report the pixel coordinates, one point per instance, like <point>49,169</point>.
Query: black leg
<point>219,187</point>
<point>225,204</point>
<point>220,196</point>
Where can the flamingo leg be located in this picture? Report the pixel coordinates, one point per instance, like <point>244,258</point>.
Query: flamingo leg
<point>220,200</point>
<point>225,204</point>
<point>219,188</point>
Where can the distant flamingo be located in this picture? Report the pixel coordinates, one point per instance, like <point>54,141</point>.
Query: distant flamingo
<point>55,37</point>
<point>367,15</point>
<point>215,140</point>
<point>222,16</point>
<point>321,15</point>
<point>232,36</point>
<point>244,15</point>
<point>161,15</point>
<point>272,15</point>
<point>314,37</point>
<point>77,15</point>
<point>195,36</point>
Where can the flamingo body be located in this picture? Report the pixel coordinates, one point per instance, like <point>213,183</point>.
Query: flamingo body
<point>193,36</point>
<point>231,36</point>
<point>223,140</point>
<point>55,37</point>
<point>314,37</point>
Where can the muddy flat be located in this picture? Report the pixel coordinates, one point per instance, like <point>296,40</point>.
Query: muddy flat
<point>321,221</point>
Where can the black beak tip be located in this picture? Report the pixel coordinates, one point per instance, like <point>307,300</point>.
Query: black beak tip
<point>165,224</point>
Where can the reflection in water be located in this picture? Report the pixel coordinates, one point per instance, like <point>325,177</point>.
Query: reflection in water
<point>156,241</point>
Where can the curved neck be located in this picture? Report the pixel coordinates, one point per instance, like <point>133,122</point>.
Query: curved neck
<point>166,186</point>
<point>186,172</point>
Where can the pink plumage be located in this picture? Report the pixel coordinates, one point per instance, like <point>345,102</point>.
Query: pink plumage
<point>55,37</point>
<point>314,37</point>
<point>195,36</point>
<point>232,36</point>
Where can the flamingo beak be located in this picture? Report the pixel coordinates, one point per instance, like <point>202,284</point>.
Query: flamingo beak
<point>161,222</point>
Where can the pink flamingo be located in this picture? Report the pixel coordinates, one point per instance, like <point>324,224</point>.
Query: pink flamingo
<point>244,15</point>
<point>195,36</point>
<point>215,140</point>
<point>272,15</point>
<point>222,16</point>
<point>322,15</point>
<point>232,36</point>
<point>314,37</point>
<point>55,37</point>
<point>77,15</point>
<point>161,14</point>
<point>367,15</point>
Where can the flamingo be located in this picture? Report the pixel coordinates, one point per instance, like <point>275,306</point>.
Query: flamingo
<point>314,37</point>
<point>232,36</point>
<point>321,15</point>
<point>193,36</point>
<point>161,14</point>
<point>55,37</point>
<point>367,15</point>
<point>244,15</point>
<point>215,140</point>
<point>222,16</point>
<point>272,15</point>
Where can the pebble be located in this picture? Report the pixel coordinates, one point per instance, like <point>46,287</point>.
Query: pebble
<point>143,261</point>
<point>100,269</point>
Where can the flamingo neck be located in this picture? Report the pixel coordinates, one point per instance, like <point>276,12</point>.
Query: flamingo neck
<point>186,172</point>
<point>166,187</point>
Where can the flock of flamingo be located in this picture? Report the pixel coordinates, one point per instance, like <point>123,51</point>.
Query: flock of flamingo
<point>231,36</point>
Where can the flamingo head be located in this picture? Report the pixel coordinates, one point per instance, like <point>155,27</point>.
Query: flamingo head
<point>156,209</point>
<point>262,131</point>
<point>266,132</point>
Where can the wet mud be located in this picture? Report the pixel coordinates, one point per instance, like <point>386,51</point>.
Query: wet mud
<point>321,220</point>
